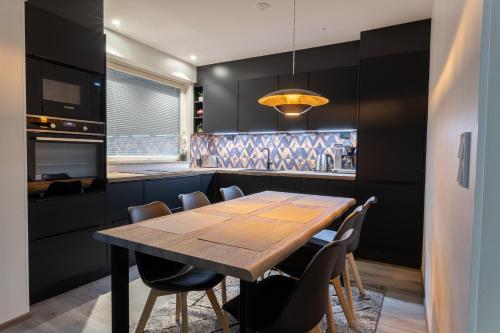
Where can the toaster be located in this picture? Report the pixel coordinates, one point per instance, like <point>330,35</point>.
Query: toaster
<point>209,161</point>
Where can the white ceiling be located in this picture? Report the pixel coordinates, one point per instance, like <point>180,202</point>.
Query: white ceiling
<point>222,30</point>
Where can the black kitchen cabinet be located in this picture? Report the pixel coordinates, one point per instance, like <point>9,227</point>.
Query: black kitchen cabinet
<point>252,184</point>
<point>64,262</point>
<point>284,184</point>
<point>208,186</point>
<point>253,116</point>
<point>332,187</point>
<point>167,190</point>
<point>393,228</point>
<point>58,215</point>
<point>220,106</point>
<point>55,38</point>
<point>291,123</point>
<point>393,118</point>
<point>123,195</point>
<point>340,86</point>
<point>85,12</point>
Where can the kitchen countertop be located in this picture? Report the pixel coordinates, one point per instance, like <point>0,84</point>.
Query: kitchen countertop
<point>115,177</point>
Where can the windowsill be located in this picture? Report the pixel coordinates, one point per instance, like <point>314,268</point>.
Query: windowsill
<point>143,160</point>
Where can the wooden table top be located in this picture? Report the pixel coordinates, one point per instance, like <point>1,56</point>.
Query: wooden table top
<point>296,218</point>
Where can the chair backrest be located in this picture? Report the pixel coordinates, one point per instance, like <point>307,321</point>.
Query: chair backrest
<point>356,224</point>
<point>231,192</point>
<point>150,266</point>
<point>307,303</point>
<point>193,200</point>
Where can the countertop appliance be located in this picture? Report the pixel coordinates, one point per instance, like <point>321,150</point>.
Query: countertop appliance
<point>209,161</point>
<point>324,163</point>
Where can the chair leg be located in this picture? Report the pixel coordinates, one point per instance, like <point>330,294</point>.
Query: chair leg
<point>343,302</point>
<point>348,290</point>
<point>330,321</point>
<point>316,329</point>
<point>146,312</point>
<point>218,311</point>
<point>357,277</point>
<point>184,313</point>
<point>178,301</point>
<point>223,291</point>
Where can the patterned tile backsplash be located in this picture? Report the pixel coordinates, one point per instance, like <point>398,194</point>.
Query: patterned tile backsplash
<point>289,151</point>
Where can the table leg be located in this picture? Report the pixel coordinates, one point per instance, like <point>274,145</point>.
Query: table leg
<point>119,290</point>
<point>245,313</point>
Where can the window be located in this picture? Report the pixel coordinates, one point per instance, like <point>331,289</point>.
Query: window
<point>143,118</point>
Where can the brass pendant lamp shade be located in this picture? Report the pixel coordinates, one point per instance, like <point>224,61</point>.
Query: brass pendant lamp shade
<point>293,102</point>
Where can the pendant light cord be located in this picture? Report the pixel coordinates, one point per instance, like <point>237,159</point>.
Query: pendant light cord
<point>293,48</point>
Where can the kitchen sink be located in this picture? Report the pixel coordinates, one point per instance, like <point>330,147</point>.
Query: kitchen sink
<point>259,170</point>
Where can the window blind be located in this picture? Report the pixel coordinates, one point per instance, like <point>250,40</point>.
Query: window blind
<point>143,116</point>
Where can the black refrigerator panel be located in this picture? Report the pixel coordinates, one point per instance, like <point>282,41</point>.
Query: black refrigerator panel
<point>393,118</point>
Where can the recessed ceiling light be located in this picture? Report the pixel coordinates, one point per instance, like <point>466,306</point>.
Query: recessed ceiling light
<point>263,5</point>
<point>192,57</point>
<point>116,23</point>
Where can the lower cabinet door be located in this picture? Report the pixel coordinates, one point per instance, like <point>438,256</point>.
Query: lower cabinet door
<point>253,184</point>
<point>208,186</point>
<point>123,195</point>
<point>284,184</point>
<point>64,262</point>
<point>167,190</point>
<point>332,187</point>
<point>393,228</point>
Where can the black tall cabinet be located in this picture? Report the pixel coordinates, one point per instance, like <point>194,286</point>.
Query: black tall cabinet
<point>392,121</point>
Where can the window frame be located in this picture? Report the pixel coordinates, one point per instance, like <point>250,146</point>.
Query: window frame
<point>185,89</point>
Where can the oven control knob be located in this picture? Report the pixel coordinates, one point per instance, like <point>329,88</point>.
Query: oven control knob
<point>52,125</point>
<point>85,128</point>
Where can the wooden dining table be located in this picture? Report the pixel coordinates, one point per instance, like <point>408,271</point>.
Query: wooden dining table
<point>242,238</point>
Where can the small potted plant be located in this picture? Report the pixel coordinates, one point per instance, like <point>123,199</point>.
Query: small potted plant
<point>183,147</point>
<point>200,96</point>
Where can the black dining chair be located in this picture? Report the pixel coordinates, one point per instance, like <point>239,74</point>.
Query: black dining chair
<point>196,200</point>
<point>327,236</point>
<point>193,200</point>
<point>166,277</point>
<point>295,264</point>
<point>231,192</point>
<point>284,304</point>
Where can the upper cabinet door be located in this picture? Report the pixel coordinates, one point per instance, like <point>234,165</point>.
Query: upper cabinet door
<point>393,118</point>
<point>220,105</point>
<point>287,123</point>
<point>52,37</point>
<point>252,115</point>
<point>340,86</point>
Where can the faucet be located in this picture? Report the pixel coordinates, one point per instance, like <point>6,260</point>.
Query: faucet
<point>268,163</point>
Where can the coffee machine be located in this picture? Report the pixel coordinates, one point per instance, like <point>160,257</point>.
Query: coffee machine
<point>349,158</point>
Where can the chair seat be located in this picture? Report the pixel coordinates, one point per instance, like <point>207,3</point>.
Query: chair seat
<point>194,279</point>
<point>324,237</point>
<point>269,297</point>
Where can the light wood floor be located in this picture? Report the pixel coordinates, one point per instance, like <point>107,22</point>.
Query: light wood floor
<point>87,309</point>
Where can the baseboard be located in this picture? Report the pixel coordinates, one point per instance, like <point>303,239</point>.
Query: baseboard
<point>15,321</point>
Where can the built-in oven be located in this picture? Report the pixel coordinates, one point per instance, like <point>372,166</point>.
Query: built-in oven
<point>60,91</point>
<point>65,156</point>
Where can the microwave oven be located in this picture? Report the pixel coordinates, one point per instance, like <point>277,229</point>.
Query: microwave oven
<point>59,91</point>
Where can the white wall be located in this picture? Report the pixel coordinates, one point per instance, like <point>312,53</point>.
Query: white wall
<point>13,221</point>
<point>453,109</point>
<point>134,53</point>
<point>485,292</point>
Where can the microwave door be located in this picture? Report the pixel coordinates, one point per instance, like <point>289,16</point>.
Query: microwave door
<point>65,92</point>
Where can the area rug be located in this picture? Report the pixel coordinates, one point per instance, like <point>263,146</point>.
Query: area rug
<point>202,318</point>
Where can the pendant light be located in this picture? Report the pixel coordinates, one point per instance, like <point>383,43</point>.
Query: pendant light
<point>293,102</point>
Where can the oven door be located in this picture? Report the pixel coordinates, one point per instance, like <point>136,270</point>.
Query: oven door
<point>61,157</point>
<point>63,92</point>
